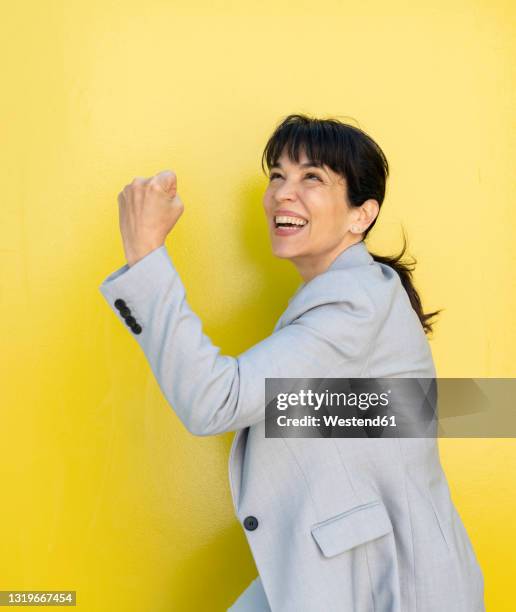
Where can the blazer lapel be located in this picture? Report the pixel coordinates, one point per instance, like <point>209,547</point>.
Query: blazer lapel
<point>327,286</point>
<point>322,289</point>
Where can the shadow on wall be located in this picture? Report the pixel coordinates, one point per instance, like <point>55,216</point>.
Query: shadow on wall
<point>199,584</point>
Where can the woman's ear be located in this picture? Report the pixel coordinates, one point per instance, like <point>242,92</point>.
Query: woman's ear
<point>368,211</point>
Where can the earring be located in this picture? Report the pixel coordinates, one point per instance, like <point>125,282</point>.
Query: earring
<point>356,229</point>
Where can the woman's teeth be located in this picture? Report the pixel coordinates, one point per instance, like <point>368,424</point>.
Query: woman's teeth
<point>289,221</point>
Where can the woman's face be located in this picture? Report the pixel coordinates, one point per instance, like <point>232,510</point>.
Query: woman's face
<point>316,197</point>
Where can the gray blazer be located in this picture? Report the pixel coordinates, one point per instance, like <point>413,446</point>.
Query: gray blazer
<point>349,524</point>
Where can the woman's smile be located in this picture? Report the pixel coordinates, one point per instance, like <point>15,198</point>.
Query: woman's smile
<point>288,223</point>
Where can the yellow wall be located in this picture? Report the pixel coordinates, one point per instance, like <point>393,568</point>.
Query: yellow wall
<point>103,490</point>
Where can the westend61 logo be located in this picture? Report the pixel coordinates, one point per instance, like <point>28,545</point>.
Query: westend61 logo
<point>350,407</point>
<point>363,401</point>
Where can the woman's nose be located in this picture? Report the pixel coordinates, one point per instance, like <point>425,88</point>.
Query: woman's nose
<point>286,191</point>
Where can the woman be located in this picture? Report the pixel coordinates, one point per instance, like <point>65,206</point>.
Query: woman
<point>347,524</point>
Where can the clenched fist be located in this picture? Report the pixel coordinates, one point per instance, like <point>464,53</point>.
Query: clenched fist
<point>148,209</point>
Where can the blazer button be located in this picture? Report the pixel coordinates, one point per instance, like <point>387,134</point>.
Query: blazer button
<point>136,329</point>
<point>130,321</point>
<point>250,523</point>
<point>119,304</point>
<point>125,311</point>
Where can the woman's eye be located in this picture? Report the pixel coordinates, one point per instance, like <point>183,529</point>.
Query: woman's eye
<point>274,175</point>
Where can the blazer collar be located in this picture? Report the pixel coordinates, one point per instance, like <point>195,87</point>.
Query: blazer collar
<point>325,286</point>
<point>355,255</point>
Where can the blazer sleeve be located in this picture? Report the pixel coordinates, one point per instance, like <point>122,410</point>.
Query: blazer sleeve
<point>214,393</point>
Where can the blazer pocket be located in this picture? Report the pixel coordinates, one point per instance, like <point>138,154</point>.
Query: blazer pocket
<point>352,528</point>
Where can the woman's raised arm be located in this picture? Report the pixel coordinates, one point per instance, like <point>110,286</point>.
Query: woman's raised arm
<point>213,393</point>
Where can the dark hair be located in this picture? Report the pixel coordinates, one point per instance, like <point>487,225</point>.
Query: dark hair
<point>350,152</point>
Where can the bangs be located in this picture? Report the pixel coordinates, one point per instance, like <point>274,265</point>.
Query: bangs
<point>321,141</point>
<point>344,148</point>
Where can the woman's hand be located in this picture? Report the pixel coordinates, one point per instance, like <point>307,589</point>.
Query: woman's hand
<point>148,209</point>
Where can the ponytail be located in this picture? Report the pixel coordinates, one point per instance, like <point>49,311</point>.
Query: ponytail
<point>404,270</point>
